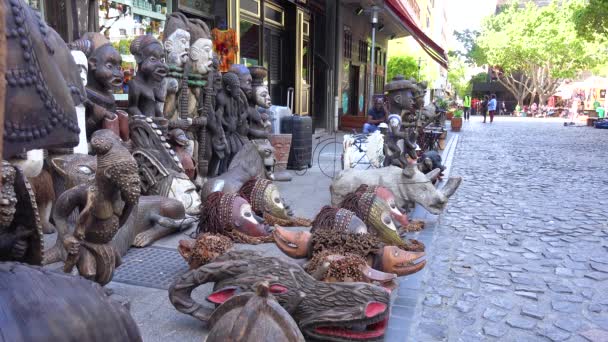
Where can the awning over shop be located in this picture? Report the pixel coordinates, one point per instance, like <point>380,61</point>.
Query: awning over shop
<point>432,49</point>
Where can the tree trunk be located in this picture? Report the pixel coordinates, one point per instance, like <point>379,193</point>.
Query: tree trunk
<point>519,88</point>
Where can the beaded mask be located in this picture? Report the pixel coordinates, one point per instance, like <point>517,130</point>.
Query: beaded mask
<point>388,197</point>
<point>231,215</point>
<point>264,197</point>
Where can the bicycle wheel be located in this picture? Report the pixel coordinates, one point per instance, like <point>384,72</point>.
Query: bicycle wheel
<point>329,159</point>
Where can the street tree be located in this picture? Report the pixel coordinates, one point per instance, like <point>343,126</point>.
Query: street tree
<point>457,75</point>
<point>534,48</point>
<point>590,20</point>
<point>402,65</point>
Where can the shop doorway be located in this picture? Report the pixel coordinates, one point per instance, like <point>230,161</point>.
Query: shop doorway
<point>274,60</point>
<point>353,100</point>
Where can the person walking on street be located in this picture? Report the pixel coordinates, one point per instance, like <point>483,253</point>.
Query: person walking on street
<point>484,107</point>
<point>492,107</point>
<point>467,107</point>
<point>376,115</point>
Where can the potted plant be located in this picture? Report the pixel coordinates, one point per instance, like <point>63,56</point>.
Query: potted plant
<point>441,103</point>
<point>456,120</point>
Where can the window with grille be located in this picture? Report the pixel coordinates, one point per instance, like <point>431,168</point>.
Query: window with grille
<point>348,43</point>
<point>363,50</point>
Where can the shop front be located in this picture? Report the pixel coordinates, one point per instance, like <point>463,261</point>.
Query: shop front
<point>279,35</point>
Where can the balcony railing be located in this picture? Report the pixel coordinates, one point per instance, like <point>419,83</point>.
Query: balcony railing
<point>144,8</point>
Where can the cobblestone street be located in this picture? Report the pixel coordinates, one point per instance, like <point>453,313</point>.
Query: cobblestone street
<point>521,253</point>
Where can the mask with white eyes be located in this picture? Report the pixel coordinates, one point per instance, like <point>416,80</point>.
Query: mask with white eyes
<point>244,220</point>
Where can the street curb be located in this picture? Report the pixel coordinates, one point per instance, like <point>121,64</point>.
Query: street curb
<point>405,299</point>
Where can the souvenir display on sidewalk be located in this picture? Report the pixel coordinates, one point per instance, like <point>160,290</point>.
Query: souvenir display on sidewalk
<point>188,151</point>
<point>323,311</point>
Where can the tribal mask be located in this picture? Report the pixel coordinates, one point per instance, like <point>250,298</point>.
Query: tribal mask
<point>375,213</point>
<point>386,195</point>
<point>339,219</point>
<point>224,213</point>
<point>264,197</point>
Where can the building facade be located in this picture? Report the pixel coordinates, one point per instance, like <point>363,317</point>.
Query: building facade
<point>318,52</point>
<point>432,18</point>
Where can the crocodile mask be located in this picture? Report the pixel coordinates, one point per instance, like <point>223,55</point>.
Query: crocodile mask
<point>323,311</point>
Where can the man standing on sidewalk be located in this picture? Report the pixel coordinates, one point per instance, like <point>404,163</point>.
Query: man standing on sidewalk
<point>467,107</point>
<point>492,107</point>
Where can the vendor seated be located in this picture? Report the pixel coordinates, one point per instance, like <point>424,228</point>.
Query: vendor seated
<point>375,115</point>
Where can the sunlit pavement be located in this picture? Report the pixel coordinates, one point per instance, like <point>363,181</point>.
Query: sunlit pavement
<point>521,254</point>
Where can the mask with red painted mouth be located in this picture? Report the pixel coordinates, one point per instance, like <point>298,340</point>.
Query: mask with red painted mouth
<point>323,311</point>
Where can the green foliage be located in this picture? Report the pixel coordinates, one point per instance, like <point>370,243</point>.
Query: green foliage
<point>481,77</point>
<point>518,39</point>
<point>473,54</point>
<point>123,46</point>
<point>458,113</point>
<point>402,65</point>
<point>590,21</point>
<point>456,75</point>
<point>441,103</point>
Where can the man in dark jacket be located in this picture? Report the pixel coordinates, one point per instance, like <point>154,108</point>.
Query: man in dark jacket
<point>375,115</point>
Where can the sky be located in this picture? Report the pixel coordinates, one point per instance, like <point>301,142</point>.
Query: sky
<point>468,14</point>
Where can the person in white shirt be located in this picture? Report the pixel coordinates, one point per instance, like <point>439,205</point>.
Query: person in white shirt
<point>492,107</point>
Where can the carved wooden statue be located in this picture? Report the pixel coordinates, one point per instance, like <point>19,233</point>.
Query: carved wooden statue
<point>189,101</point>
<point>259,122</point>
<point>38,305</point>
<point>104,207</point>
<point>231,109</point>
<point>20,230</point>
<point>160,169</point>
<point>146,97</point>
<point>61,307</point>
<point>177,44</point>
<point>402,99</point>
<point>153,218</point>
<point>104,75</point>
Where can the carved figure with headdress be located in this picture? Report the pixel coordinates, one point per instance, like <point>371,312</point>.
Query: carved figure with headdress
<point>104,75</point>
<point>146,97</point>
<point>231,108</point>
<point>403,96</point>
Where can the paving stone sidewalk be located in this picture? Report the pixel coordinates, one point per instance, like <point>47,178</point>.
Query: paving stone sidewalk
<point>521,253</point>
